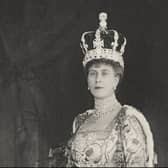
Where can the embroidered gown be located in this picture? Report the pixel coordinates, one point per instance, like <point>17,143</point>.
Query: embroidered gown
<point>126,142</point>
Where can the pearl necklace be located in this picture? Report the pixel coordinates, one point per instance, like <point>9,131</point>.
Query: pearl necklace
<point>105,106</point>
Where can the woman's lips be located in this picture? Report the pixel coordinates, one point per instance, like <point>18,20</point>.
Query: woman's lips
<point>98,87</point>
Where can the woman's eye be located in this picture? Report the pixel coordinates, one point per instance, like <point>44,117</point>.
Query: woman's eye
<point>92,73</point>
<point>105,73</point>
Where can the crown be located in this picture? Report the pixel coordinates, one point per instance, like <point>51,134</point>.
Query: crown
<point>103,43</point>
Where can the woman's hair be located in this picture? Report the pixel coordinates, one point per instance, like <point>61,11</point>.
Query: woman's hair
<point>116,66</point>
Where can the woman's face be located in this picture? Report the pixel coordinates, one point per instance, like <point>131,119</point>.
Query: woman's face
<point>102,80</point>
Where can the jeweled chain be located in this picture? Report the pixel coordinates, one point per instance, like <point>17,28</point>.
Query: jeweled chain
<point>105,106</point>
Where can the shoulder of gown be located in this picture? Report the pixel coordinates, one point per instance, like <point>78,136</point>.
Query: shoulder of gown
<point>141,125</point>
<point>80,118</point>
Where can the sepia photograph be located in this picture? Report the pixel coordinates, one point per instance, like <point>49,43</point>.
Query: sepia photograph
<point>83,83</point>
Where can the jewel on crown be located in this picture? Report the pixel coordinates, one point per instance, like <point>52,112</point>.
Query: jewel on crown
<point>103,43</point>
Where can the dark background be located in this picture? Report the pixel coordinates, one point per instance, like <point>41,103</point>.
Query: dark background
<point>43,37</point>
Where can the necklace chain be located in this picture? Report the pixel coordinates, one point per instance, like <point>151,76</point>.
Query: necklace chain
<point>102,108</point>
<point>100,114</point>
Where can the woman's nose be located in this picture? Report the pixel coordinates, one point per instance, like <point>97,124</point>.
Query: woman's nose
<point>98,78</point>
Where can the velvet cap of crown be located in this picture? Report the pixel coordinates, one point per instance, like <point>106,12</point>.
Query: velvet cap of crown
<point>103,43</point>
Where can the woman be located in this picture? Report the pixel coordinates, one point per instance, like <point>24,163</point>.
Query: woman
<point>110,135</point>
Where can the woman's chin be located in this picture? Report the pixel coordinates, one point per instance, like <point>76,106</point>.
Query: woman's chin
<point>99,96</point>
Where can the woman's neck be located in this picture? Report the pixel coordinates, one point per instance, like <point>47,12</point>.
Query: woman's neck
<point>106,105</point>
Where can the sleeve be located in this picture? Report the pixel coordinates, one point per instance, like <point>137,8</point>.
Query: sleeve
<point>68,152</point>
<point>68,155</point>
<point>79,119</point>
<point>75,124</point>
<point>138,140</point>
